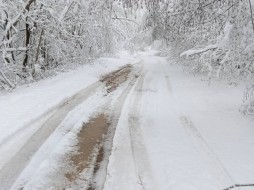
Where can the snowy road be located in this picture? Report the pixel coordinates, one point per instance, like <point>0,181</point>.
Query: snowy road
<point>177,133</point>
<point>165,130</point>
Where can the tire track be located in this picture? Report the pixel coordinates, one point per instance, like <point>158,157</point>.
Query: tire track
<point>139,151</point>
<point>13,168</point>
<point>102,159</point>
<point>215,165</point>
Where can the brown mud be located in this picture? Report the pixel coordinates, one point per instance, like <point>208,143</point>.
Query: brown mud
<point>89,138</point>
<point>114,79</point>
<point>90,149</point>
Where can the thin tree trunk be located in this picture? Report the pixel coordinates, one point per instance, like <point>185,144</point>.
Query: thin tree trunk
<point>252,21</point>
<point>26,45</point>
<point>28,34</point>
<point>38,47</point>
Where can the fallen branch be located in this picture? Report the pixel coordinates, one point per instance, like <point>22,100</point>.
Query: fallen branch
<point>239,185</point>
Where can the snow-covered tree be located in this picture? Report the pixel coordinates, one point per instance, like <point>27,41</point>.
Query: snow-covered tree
<point>215,37</point>
<point>40,35</point>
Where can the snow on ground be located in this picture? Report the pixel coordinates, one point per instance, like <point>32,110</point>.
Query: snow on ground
<point>174,132</point>
<point>47,167</point>
<point>191,135</point>
<point>50,159</point>
<point>28,103</point>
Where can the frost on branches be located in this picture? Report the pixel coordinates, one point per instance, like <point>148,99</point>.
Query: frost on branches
<point>215,37</point>
<point>40,36</point>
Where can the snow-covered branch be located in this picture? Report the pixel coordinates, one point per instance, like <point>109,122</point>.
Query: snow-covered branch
<point>14,49</point>
<point>198,51</point>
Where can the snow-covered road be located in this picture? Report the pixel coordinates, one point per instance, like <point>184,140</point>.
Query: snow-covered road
<point>178,133</point>
<point>171,131</point>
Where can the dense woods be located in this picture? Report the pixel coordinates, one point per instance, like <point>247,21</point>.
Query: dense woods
<point>214,37</point>
<point>39,36</point>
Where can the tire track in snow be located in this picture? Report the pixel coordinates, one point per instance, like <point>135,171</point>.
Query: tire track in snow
<point>11,170</point>
<point>215,166</point>
<point>139,152</point>
<point>71,178</point>
<point>114,115</point>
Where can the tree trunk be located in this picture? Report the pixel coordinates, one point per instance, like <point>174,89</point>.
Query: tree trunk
<point>251,15</point>
<point>28,34</point>
<point>26,45</point>
<point>38,47</point>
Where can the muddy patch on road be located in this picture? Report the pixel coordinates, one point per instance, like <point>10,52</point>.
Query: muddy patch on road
<point>89,151</point>
<point>90,140</point>
<point>114,79</point>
